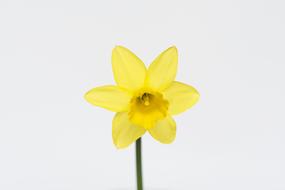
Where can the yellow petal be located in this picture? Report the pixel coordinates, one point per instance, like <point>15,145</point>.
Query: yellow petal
<point>164,131</point>
<point>180,97</point>
<point>163,69</point>
<point>124,132</point>
<point>129,71</point>
<point>110,97</point>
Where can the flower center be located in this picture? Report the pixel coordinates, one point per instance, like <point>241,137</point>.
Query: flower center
<point>146,108</point>
<point>145,98</point>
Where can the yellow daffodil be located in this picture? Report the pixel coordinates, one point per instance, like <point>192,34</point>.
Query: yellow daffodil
<point>144,99</point>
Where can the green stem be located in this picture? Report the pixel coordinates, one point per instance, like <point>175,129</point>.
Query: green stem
<point>139,165</point>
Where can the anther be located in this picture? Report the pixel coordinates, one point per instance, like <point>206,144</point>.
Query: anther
<point>145,98</point>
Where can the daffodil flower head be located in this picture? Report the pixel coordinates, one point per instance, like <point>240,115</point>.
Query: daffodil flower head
<point>144,99</point>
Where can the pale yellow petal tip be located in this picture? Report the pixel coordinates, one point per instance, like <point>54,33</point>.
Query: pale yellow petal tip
<point>196,99</point>
<point>197,95</point>
<point>121,147</point>
<point>170,141</point>
<point>86,96</point>
<point>88,99</point>
<point>119,47</point>
<point>173,48</point>
<point>166,140</point>
<point>118,146</point>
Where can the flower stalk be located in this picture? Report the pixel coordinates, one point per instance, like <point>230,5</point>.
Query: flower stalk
<point>139,165</point>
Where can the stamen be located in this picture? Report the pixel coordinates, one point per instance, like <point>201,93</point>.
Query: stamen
<point>146,101</point>
<point>145,98</point>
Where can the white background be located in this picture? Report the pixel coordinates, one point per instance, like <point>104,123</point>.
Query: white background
<point>52,52</point>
